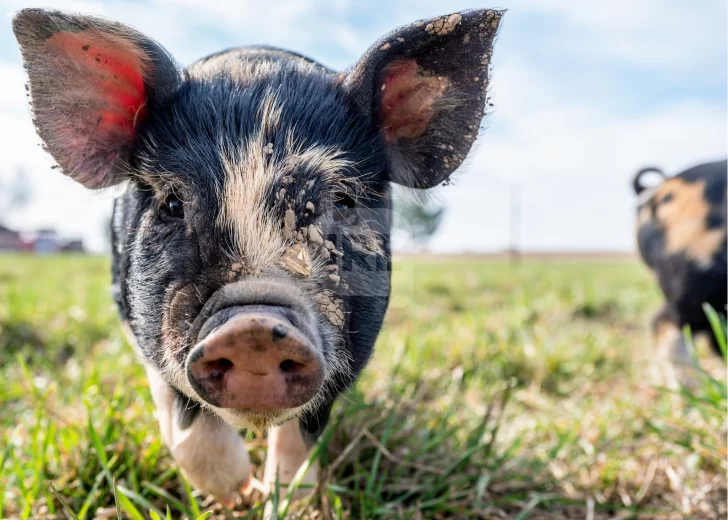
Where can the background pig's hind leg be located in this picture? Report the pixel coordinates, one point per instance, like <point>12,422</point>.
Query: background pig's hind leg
<point>671,347</point>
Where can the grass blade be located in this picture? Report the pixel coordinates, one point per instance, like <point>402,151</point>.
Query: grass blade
<point>137,498</point>
<point>167,497</point>
<point>126,505</point>
<point>194,509</point>
<point>100,451</point>
<point>718,324</point>
<point>116,500</point>
<point>64,504</point>
<point>295,483</point>
<point>91,496</point>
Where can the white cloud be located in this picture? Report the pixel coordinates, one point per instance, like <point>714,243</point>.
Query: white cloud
<point>659,33</point>
<point>177,24</point>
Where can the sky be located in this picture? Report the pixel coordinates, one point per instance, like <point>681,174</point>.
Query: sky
<point>585,93</point>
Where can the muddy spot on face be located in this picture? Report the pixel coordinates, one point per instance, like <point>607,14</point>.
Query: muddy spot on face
<point>236,271</point>
<point>297,260</point>
<point>314,235</point>
<point>289,224</point>
<point>331,307</point>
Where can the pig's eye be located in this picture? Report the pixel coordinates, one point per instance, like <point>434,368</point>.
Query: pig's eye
<point>344,202</point>
<point>173,207</point>
<point>345,210</point>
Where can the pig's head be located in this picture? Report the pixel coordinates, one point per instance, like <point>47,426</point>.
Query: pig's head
<point>251,247</point>
<point>681,218</point>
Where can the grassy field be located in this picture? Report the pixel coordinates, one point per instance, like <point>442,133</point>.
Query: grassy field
<point>496,391</point>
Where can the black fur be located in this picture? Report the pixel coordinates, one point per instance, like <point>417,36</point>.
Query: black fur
<point>185,410</point>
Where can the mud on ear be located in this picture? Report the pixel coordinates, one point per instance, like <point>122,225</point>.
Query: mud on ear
<point>92,83</point>
<point>424,87</point>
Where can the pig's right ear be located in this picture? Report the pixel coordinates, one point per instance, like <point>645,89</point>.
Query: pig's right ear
<point>423,87</point>
<point>92,83</point>
<point>638,183</point>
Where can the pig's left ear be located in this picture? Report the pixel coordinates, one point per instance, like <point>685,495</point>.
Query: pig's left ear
<point>424,88</point>
<point>92,83</point>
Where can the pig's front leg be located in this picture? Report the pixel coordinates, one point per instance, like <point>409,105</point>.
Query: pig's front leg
<point>210,452</point>
<point>288,449</point>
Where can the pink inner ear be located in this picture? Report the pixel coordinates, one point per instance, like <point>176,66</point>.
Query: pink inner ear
<point>111,70</point>
<point>408,100</point>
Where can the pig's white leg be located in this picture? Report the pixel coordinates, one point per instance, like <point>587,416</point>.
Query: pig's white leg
<point>210,452</point>
<point>672,347</point>
<point>287,451</point>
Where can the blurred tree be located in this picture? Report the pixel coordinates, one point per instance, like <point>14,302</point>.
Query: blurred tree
<point>420,219</point>
<point>14,193</point>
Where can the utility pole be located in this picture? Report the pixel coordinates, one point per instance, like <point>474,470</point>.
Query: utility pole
<point>515,252</point>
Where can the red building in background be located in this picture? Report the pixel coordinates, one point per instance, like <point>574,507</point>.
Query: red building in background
<point>41,242</point>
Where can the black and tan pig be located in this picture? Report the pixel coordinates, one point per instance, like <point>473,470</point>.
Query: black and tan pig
<point>681,234</point>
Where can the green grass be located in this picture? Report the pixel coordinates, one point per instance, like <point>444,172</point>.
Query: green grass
<point>496,391</point>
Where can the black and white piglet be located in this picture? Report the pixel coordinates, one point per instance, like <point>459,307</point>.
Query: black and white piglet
<point>250,247</point>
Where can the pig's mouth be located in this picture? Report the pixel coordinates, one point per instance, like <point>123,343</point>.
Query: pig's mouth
<point>258,353</point>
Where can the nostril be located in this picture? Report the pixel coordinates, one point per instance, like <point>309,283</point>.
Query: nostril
<point>289,366</point>
<point>217,369</point>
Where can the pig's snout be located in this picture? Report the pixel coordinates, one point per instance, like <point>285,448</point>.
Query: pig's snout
<point>255,360</point>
